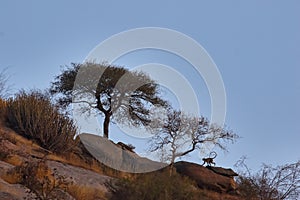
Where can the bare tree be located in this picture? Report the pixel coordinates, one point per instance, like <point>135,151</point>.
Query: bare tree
<point>281,182</point>
<point>115,92</point>
<point>4,88</point>
<point>181,134</point>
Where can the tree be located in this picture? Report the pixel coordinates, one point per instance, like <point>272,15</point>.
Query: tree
<point>281,182</point>
<point>115,92</point>
<point>182,134</point>
<point>3,84</point>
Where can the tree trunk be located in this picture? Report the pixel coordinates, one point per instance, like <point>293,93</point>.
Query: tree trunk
<point>171,168</point>
<point>106,125</point>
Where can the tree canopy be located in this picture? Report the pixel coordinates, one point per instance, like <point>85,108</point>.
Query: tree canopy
<point>115,92</point>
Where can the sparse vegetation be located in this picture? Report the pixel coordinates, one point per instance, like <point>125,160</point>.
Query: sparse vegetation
<point>3,152</point>
<point>42,184</point>
<point>85,193</point>
<point>154,186</point>
<point>270,183</point>
<point>34,116</point>
<point>3,155</point>
<point>2,110</point>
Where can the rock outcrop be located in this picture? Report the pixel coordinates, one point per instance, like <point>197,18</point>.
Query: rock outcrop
<point>211,178</point>
<point>118,157</point>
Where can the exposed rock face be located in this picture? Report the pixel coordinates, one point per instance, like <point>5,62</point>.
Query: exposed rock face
<point>212,178</point>
<point>80,177</point>
<point>11,191</point>
<point>117,157</point>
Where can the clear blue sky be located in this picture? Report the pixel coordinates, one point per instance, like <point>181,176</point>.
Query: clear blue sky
<point>255,44</point>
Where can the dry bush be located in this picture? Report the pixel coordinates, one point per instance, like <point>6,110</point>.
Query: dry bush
<point>3,151</point>
<point>281,182</point>
<point>14,159</point>
<point>34,116</point>
<point>2,110</point>
<point>41,182</point>
<point>155,186</point>
<point>3,155</point>
<point>13,176</point>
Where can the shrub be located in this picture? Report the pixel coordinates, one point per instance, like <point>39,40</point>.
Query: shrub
<point>2,110</point>
<point>41,182</point>
<point>4,153</point>
<point>154,186</point>
<point>281,182</point>
<point>34,116</point>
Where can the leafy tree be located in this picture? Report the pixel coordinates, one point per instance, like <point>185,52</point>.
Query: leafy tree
<point>270,183</point>
<point>115,92</point>
<point>181,134</point>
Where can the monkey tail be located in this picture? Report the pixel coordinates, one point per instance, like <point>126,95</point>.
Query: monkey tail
<point>213,154</point>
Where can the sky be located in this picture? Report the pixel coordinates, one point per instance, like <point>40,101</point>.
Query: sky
<point>255,45</point>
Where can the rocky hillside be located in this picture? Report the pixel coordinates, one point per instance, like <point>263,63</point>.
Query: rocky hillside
<point>210,178</point>
<point>29,171</point>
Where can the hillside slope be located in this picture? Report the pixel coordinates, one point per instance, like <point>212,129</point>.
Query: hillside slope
<point>78,176</point>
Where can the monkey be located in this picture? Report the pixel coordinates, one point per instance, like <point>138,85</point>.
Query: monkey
<point>210,160</point>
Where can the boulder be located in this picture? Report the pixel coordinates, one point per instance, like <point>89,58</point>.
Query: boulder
<point>223,171</point>
<point>116,156</point>
<point>206,178</point>
<point>79,176</point>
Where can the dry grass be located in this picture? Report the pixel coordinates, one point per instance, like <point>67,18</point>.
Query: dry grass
<point>41,173</point>
<point>79,157</point>
<point>26,146</point>
<point>13,176</point>
<point>76,161</point>
<point>85,193</point>
<point>14,159</point>
<point>86,162</point>
<point>38,178</point>
<point>210,195</point>
<point>13,137</point>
